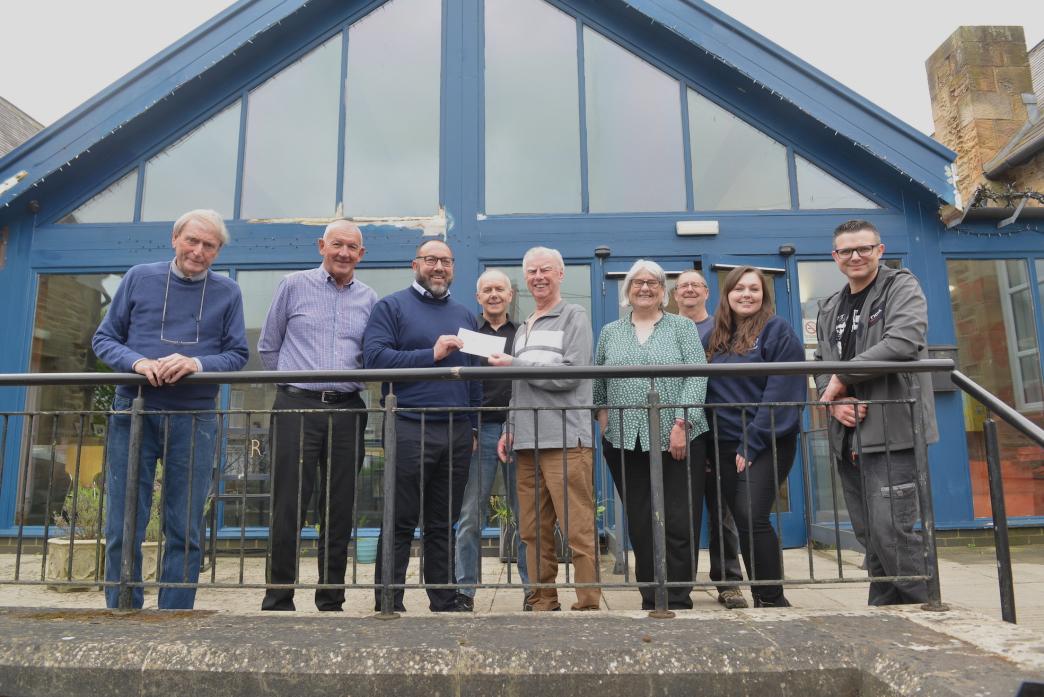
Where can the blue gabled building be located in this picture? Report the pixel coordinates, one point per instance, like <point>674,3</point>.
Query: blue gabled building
<point>661,129</point>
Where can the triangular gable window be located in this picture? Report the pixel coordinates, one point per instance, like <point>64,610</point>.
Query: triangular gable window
<point>634,134</point>
<point>532,109</point>
<point>734,165</point>
<point>819,190</point>
<point>114,205</point>
<point>197,171</point>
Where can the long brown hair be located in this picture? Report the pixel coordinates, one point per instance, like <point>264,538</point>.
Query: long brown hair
<point>733,334</point>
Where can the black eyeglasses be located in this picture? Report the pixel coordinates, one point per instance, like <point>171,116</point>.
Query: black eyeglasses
<point>431,260</point>
<point>863,250</point>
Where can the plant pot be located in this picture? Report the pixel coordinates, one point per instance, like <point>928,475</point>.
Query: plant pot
<point>88,563</point>
<point>366,550</point>
<point>149,556</point>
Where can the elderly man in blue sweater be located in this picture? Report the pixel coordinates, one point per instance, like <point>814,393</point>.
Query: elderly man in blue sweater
<point>168,320</point>
<point>417,328</point>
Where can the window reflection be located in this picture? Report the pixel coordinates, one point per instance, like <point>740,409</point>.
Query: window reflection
<point>64,449</point>
<point>734,165</point>
<point>197,171</point>
<point>532,109</point>
<point>290,163</point>
<point>392,97</point>
<point>634,139</point>
<point>998,348</point>
<point>818,190</point>
<point>114,205</point>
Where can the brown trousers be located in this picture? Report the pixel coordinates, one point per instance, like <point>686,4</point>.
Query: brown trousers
<point>572,504</point>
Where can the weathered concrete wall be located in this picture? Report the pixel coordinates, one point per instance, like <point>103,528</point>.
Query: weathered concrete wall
<point>762,653</point>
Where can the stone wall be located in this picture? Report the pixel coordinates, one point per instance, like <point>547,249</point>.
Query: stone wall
<point>976,80</point>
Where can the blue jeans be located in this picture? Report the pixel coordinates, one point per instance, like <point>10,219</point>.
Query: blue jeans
<point>186,483</point>
<point>481,476</point>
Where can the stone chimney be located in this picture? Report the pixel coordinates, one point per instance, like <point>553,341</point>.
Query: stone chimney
<point>976,80</point>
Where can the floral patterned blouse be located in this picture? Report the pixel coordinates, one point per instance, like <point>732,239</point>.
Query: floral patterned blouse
<point>673,340</point>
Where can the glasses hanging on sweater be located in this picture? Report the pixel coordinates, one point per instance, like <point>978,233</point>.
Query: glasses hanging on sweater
<point>197,318</point>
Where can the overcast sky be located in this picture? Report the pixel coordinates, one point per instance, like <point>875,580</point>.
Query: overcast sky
<point>58,53</point>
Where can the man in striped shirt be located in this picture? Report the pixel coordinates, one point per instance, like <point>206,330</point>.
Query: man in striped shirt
<point>316,322</point>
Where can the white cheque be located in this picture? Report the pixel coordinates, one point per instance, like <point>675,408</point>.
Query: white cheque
<point>479,344</point>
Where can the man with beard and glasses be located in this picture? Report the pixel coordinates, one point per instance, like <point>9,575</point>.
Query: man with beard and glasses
<point>417,327</point>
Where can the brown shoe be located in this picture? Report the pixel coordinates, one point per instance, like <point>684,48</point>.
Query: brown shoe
<point>732,599</point>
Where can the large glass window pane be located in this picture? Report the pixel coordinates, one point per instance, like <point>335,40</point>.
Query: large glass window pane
<point>532,109</point>
<point>817,189</point>
<point>984,315</point>
<point>634,138</point>
<point>198,171</point>
<point>245,478</point>
<point>68,310</point>
<point>290,167</point>
<point>392,137</point>
<point>734,165</point>
<point>114,205</point>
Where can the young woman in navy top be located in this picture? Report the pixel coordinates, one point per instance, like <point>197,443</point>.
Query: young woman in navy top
<point>756,443</point>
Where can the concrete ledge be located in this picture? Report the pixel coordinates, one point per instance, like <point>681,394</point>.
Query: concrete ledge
<point>761,653</point>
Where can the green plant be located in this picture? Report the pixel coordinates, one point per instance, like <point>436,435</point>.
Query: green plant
<point>500,511</point>
<point>82,513</point>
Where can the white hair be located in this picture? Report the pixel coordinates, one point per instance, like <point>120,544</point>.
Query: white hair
<point>207,217</point>
<point>543,251</point>
<point>490,273</point>
<point>338,222</point>
<point>648,266</point>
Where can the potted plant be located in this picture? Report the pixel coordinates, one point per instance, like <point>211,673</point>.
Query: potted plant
<point>77,550</point>
<point>365,547</point>
<point>503,515</point>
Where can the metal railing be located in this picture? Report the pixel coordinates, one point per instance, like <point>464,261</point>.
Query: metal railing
<point>387,588</point>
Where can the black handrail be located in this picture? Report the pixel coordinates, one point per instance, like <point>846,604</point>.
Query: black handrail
<point>1004,411</point>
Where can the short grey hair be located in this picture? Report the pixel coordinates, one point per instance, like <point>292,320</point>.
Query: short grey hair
<point>543,251</point>
<point>493,272</point>
<point>677,279</point>
<point>337,222</point>
<point>650,267</point>
<point>207,217</point>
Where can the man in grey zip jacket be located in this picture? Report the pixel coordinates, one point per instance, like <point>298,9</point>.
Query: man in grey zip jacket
<point>554,460</point>
<point>881,315</point>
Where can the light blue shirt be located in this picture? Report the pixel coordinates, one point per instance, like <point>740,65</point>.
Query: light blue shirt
<point>314,325</point>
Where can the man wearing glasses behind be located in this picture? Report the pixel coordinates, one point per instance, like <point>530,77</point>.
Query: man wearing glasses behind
<point>167,320</point>
<point>880,315</point>
<point>417,328</point>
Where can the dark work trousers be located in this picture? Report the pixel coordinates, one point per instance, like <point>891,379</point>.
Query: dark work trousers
<point>881,495</point>
<point>683,509</point>
<point>431,473</point>
<point>723,548</point>
<point>751,495</point>
<point>305,444</point>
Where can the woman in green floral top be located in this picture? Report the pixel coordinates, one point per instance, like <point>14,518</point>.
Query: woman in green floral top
<point>650,336</point>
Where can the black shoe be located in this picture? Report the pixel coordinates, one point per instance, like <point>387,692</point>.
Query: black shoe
<point>778,602</point>
<point>460,603</point>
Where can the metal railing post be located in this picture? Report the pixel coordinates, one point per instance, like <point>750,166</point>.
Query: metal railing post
<point>130,507</point>
<point>1000,520</point>
<point>924,492</point>
<point>660,610</point>
<point>388,516</point>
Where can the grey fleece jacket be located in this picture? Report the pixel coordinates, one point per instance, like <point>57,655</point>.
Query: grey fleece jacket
<point>893,327</point>
<point>562,337</point>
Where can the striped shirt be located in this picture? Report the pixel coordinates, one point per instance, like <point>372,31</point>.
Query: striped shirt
<point>314,325</point>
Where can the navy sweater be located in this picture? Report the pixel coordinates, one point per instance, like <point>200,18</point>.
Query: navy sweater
<point>131,331</point>
<point>402,332</point>
<point>777,343</point>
